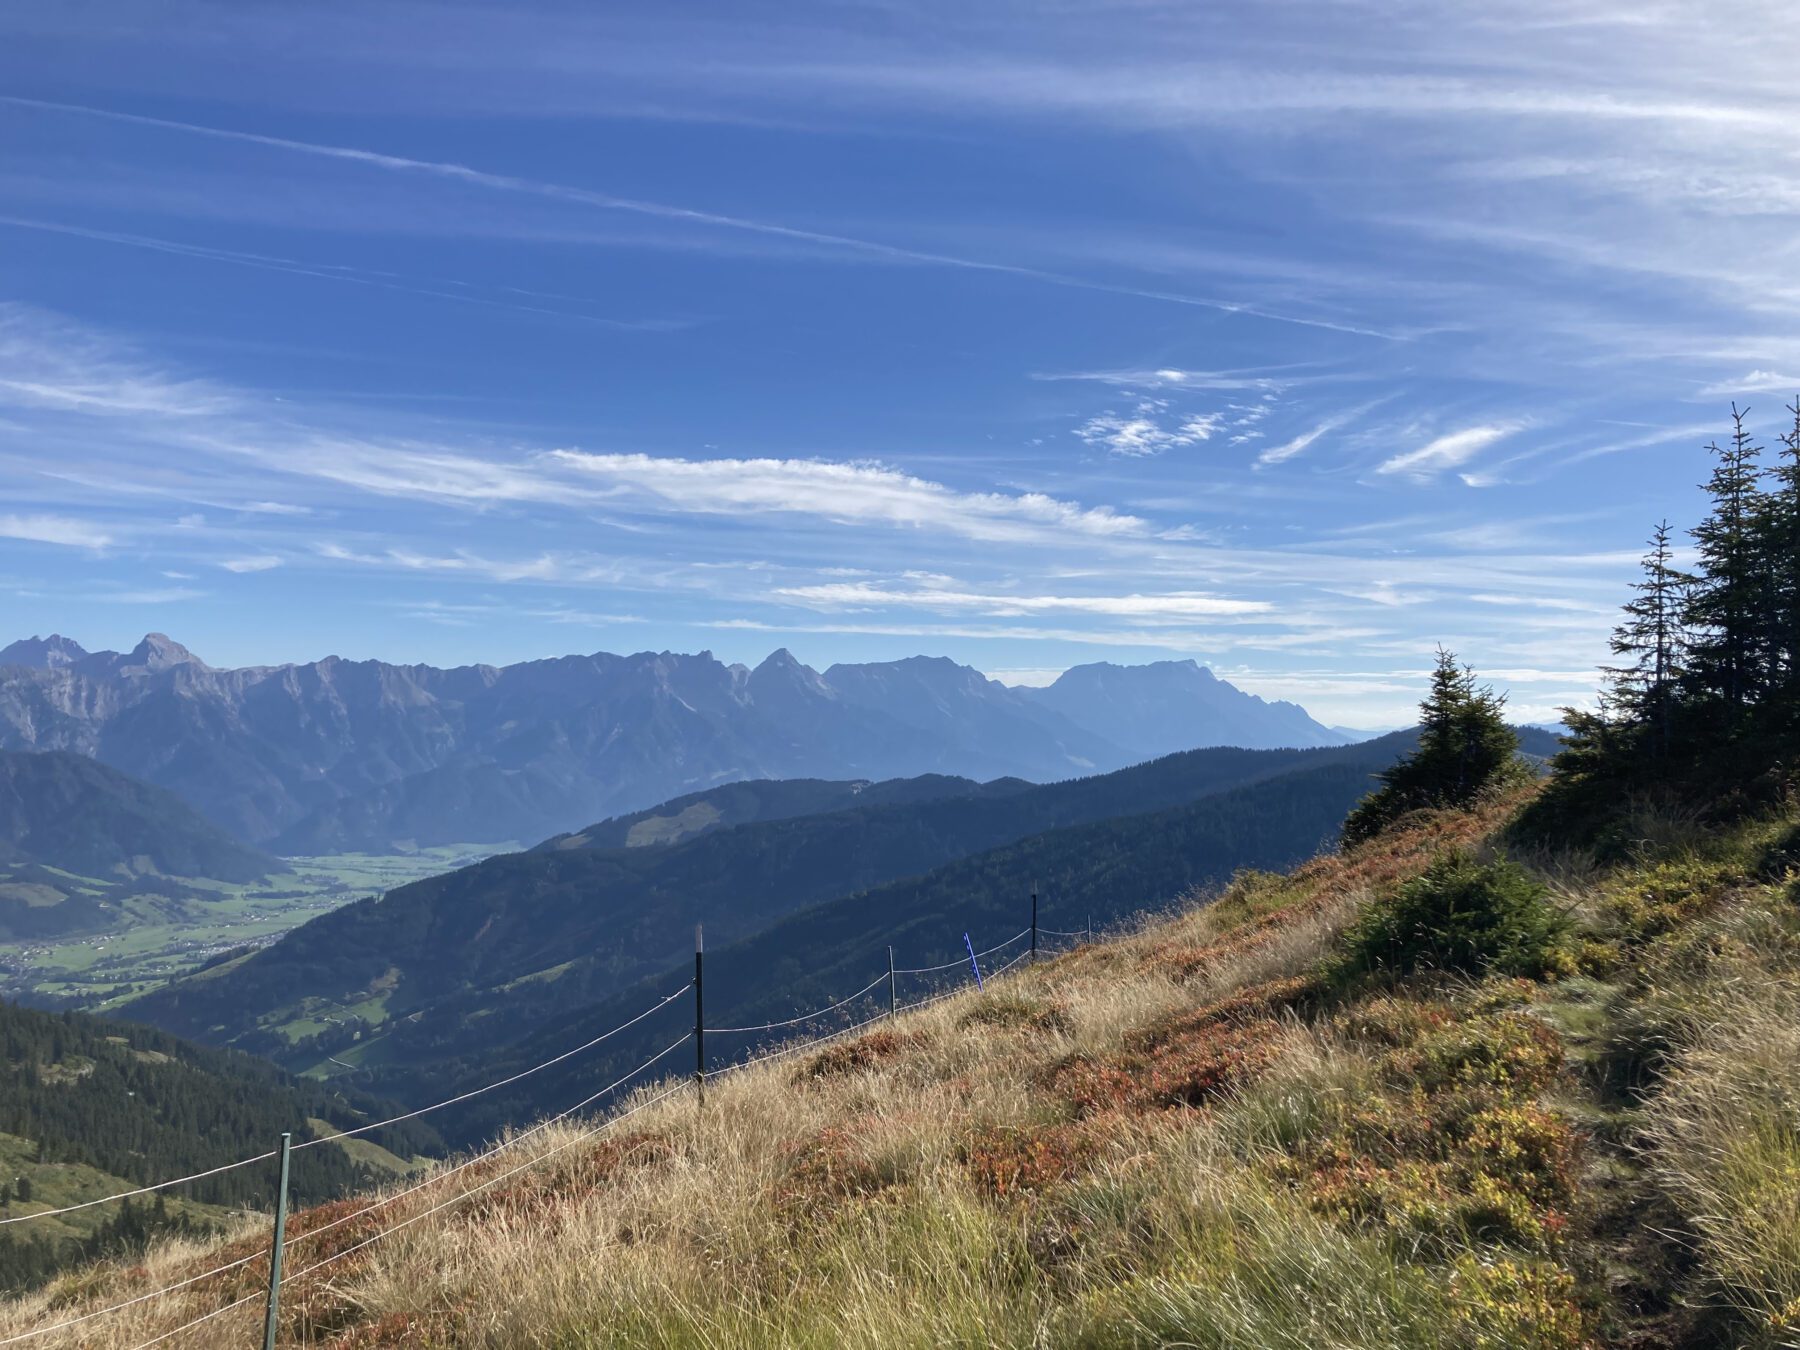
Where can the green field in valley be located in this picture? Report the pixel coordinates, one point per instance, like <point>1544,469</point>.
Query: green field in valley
<point>155,937</point>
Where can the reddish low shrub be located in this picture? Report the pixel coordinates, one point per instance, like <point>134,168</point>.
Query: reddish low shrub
<point>539,1192</point>
<point>857,1056</point>
<point>1007,1160</point>
<point>830,1166</point>
<point>1171,1065</point>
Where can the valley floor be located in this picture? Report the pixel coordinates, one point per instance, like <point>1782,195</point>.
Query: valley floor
<point>158,937</point>
<point>1188,1135</point>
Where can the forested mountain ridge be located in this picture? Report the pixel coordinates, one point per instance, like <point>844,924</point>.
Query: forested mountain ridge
<point>1271,809</point>
<point>753,800</point>
<point>338,755</point>
<point>77,836</point>
<point>550,929</point>
<point>91,1107</point>
<point>71,812</point>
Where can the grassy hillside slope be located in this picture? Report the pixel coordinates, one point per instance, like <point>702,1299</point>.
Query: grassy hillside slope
<point>1211,1131</point>
<point>1107,871</point>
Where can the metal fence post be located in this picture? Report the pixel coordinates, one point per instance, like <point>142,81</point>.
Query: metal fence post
<point>281,1202</point>
<point>974,963</point>
<point>893,998</point>
<point>699,1015</point>
<point>1034,925</point>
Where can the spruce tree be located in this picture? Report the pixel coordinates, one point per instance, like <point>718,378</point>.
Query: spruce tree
<point>1465,746</point>
<point>1642,693</point>
<point>1782,557</point>
<point>1726,609</point>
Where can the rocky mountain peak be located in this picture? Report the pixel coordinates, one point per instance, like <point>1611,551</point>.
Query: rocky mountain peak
<point>158,651</point>
<point>43,653</point>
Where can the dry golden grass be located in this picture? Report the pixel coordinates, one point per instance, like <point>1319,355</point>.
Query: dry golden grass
<point>1724,1125</point>
<point>1175,1137</point>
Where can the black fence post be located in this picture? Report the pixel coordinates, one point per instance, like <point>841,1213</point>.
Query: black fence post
<point>1034,926</point>
<point>699,1014</point>
<point>275,1246</point>
<point>893,998</point>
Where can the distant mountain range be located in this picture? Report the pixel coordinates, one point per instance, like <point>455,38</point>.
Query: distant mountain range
<point>1152,709</point>
<point>338,755</point>
<point>76,835</point>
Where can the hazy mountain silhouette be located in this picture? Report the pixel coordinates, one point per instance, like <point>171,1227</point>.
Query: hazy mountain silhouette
<point>1175,705</point>
<point>338,755</point>
<point>63,814</point>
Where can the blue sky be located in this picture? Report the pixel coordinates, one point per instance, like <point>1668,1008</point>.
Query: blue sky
<point>1292,337</point>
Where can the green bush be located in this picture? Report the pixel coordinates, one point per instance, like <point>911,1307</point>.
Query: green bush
<point>1459,915</point>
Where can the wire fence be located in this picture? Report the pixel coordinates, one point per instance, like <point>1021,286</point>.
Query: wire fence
<point>434,1179</point>
<point>272,1251</point>
<point>813,1016</point>
<point>342,1134</point>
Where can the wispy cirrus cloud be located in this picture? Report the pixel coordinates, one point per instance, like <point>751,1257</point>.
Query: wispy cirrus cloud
<point>1752,382</point>
<point>49,529</point>
<point>453,291</point>
<point>547,567</point>
<point>233,430</point>
<point>261,562</point>
<point>1171,378</point>
<point>170,595</point>
<point>1304,441</point>
<point>1448,451</point>
<point>1298,445</point>
<point>848,245</point>
<point>844,492</point>
<point>1183,605</point>
<point>1162,640</point>
<point>50,364</point>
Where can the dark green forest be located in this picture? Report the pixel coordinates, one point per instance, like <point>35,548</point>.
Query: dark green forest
<point>140,1106</point>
